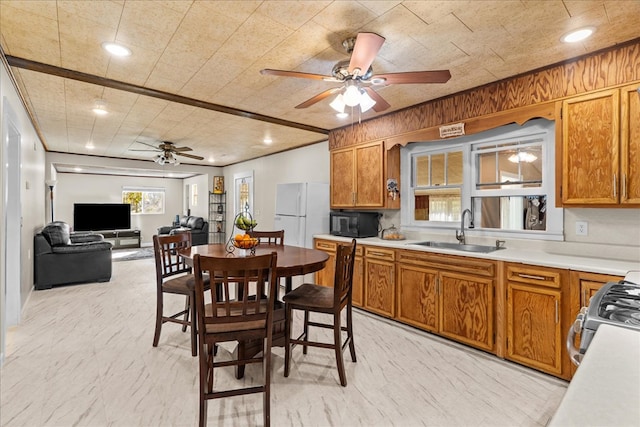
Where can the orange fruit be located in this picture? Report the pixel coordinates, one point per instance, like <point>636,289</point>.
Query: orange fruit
<point>238,237</point>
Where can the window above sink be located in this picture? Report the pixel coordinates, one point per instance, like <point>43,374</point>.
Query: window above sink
<point>506,176</point>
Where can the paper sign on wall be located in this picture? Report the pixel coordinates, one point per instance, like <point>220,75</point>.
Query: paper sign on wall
<point>452,130</point>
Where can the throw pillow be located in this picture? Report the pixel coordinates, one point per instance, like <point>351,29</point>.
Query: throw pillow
<point>57,233</point>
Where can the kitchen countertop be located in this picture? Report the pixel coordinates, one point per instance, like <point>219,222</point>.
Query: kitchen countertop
<point>605,391</point>
<point>533,256</point>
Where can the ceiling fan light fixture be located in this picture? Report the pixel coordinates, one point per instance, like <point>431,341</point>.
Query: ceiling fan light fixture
<point>338,104</point>
<point>352,95</point>
<point>523,157</point>
<point>366,102</point>
<point>160,159</point>
<point>100,107</point>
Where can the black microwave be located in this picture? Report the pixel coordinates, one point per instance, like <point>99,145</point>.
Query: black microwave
<point>354,224</point>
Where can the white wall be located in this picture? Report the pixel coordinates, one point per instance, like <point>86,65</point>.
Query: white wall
<point>307,164</point>
<point>32,194</point>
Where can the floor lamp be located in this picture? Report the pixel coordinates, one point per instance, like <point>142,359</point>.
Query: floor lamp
<point>51,183</point>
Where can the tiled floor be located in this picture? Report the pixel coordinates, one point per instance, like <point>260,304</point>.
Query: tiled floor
<point>83,357</point>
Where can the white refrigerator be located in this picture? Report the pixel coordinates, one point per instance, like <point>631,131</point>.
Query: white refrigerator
<point>302,210</point>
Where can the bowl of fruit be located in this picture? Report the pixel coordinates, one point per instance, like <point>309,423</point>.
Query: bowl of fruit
<point>244,223</point>
<point>244,241</point>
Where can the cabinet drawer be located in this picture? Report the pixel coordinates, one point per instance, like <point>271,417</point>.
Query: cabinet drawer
<point>540,276</point>
<point>475,266</point>
<point>379,253</point>
<point>323,245</point>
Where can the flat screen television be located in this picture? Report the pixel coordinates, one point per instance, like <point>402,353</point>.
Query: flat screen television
<point>101,216</point>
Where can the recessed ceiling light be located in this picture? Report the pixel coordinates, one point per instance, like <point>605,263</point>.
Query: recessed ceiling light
<point>342,115</point>
<point>211,159</point>
<point>116,49</point>
<point>267,141</point>
<point>100,107</point>
<point>578,35</point>
<point>89,146</point>
<point>77,169</point>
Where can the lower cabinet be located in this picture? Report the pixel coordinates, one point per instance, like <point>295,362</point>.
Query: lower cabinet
<point>449,295</point>
<point>522,313</point>
<point>535,333</point>
<point>326,276</point>
<point>379,280</point>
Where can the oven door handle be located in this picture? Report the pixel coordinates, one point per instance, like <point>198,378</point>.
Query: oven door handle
<point>574,354</point>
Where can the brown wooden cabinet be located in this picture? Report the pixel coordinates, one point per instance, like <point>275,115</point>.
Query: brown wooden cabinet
<point>630,145</point>
<point>359,175</point>
<point>326,276</point>
<point>535,334</point>
<point>448,295</point>
<point>379,280</point>
<point>601,148</point>
<point>466,313</point>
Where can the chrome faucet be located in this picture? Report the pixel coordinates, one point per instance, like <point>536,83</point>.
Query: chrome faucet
<point>460,234</point>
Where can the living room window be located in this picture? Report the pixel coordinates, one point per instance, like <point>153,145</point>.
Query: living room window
<point>148,201</point>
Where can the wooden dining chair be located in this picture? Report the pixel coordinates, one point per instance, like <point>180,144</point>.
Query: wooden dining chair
<point>330,300</point>
<point>241,319</point>
<point>174,276</point>
<point>268,237</point>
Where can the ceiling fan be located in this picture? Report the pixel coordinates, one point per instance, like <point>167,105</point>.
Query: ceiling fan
<point>168,151</point>
<point>357,78</point>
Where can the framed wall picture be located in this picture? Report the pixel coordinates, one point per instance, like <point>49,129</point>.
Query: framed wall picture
<point>218,184</point>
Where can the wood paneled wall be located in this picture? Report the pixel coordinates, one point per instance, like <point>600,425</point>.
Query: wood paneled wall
<point>612,67</point>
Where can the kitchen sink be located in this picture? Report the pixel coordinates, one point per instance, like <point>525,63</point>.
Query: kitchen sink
<point>459,247</point>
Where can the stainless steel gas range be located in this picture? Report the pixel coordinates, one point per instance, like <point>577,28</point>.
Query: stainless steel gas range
<point>616,304</point>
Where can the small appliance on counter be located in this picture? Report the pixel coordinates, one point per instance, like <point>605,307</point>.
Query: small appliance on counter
<point>616,304</point>
<point>354,224</point>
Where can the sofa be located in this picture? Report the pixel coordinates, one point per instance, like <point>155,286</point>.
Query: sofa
<point>62,257</point>
<point>196,225</point>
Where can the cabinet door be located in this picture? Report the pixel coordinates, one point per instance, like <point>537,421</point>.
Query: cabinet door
<point>418,297</point>
<point>466,309</point>
<point>358,279</point>
<point>533,327</point>
<point>630,146</point>
<point>590,151</point>
<point>326,276</point>
<point>343,167</point>
<point>379,290</point>
<point>370,190</point>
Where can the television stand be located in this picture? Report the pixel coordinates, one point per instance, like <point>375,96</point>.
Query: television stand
<point>121,239</point>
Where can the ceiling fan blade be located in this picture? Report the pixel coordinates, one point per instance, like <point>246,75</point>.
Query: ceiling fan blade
<point>148,145</point>
<point>318,97</point>
<point>381,104</point>
<point>298,74</point>
<point>364,52</point>
<point>182,149</point>
<point>156,151</point>
<point>191,156</point>
<point>438,76</point>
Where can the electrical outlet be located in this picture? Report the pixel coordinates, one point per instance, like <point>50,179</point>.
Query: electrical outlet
<point>582,228</point>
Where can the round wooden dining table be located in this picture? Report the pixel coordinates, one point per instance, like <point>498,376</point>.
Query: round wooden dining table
<point>292,261</point>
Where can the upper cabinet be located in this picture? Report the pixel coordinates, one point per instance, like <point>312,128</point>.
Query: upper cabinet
<point>601,148</point>
<point>359,176</point>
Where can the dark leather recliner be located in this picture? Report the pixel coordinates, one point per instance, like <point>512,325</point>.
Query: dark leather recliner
<point>196,225</point>
<point>62,258</point>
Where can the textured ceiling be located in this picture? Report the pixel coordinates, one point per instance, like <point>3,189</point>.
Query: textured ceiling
<point>212,51</point>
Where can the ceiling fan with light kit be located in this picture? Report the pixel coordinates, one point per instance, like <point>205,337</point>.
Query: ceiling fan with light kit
<point>357,78</point>
<point>167,152</point>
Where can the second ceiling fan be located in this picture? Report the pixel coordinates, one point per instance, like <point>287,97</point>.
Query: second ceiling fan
<point>357,78</point>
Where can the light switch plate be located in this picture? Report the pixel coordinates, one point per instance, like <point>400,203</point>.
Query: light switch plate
<point>582,228</point>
